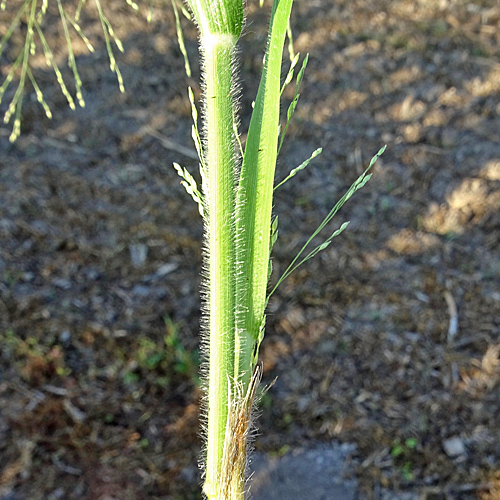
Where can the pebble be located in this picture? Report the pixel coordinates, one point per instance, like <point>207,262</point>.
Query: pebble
<point>189,474</point>
<point>57,494</point>
<point>454,447</point>
<point>7,227</point>
<point>62,283</point>
<point>166,269</point>
<point>65,336</point>
<point>142,291</point>
<point>158,292</point>
<point>92,274</point>
<point>138,254</point>
<point>399,495</point>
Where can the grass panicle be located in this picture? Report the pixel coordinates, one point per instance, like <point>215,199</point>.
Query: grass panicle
<point>356,186</point>
<point>195,133</point>
<point>191,187</point>
<point>295,100</point>
<point>302,166</point>
<point>291,71</point>
<point>180,38</point>
<point>35,39</point>
<point>109,35</point>
<point>71,56</point>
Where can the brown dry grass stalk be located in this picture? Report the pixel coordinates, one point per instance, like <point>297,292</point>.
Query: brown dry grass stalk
<point>239,424</point>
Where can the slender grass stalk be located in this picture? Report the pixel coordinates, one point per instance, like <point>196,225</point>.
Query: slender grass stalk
<point>218,53</point>
<point>220,25</point>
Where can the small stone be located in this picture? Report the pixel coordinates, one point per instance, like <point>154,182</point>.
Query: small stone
<point>166,269</point>
<point>138,254</point>
<point>78,416</point>
<point>28,244</point>
<point>41,227</point>
<point>413,132</point>
<point>92,274</point>
<point>7,227</point>
<point>62,283</point>
<point>400,495</point>
<point>454,447</point>
<point>142,291</point>
<point>189,474</point>
<point>303,403</point>
<point>65,336</point>
<point>58,493</point>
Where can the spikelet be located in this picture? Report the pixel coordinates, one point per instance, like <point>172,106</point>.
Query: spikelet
<point>180,38</point>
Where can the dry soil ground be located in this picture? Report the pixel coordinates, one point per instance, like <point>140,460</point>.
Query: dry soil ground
<point>100,258</point>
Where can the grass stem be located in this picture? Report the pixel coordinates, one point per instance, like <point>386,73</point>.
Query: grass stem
<point>218,53</point>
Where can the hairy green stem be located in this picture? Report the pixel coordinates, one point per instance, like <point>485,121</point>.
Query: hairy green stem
<point>218,51</point>
<point>220,23</point>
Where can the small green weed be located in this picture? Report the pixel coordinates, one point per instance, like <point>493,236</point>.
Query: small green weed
<point>403,454</point>
<point>163,358</point>
<point>36,362</point>
<point>184,362</point>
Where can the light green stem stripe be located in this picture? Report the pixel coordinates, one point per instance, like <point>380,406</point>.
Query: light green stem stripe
<point>218,16</point>
<point>254,198</point>
<point>218,52</point>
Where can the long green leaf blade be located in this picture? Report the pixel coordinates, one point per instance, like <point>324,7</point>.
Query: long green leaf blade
<point>254,197</point>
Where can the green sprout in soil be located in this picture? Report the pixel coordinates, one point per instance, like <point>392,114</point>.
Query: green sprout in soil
<point>402,453</point>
